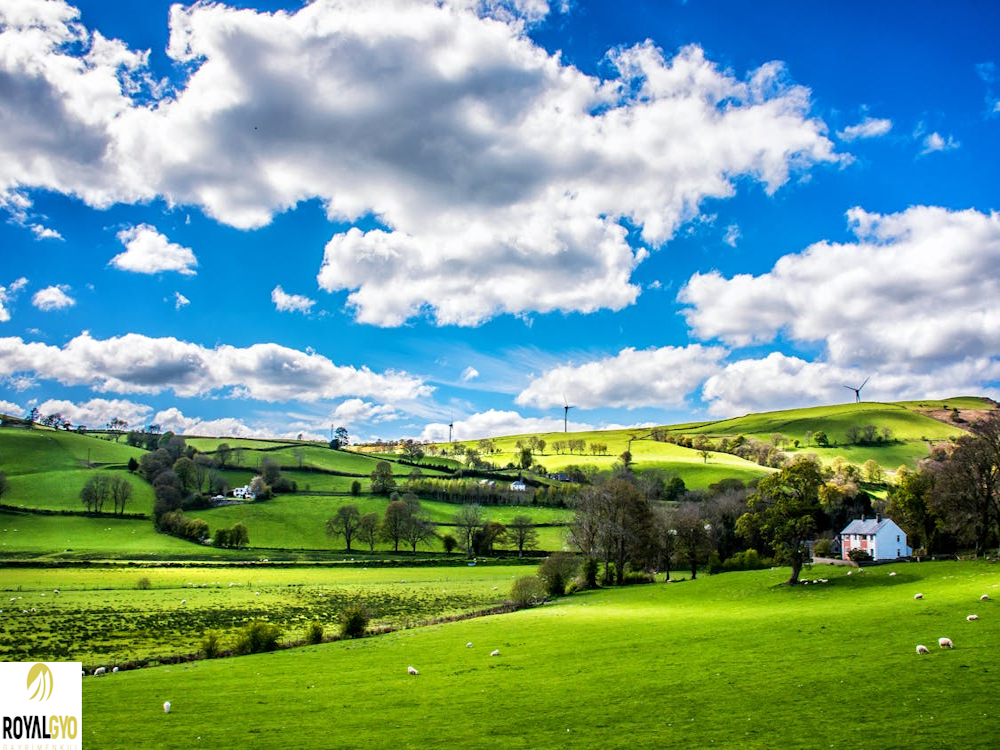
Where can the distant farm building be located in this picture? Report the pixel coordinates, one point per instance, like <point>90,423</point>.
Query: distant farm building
<point>879,537</point>
<point>244,492</point>
<point>518,486</point>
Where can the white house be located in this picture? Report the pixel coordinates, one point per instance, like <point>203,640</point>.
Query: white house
<point>879,537</point>
<point>518,486</point>
<point>244,492</point>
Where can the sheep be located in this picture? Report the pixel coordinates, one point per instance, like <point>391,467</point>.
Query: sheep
<point>469,644</point>
<point>921,649</point>
<point>114,670</point>
<point>184,601</point>
<point>970,618</point>
<point>99,671</point>
<point>495,652</point>
<point>945,643</point>
<point>166,707</point>
<point>892,574</point>
<point>918,596</point>
<point>412,670</point>
<point>983,598</point>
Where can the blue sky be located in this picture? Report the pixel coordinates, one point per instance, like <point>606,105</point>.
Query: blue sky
<point>272,218</point>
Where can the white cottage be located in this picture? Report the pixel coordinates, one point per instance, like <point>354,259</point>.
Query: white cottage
<point>879,537</point>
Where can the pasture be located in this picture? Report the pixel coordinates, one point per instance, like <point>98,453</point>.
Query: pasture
<point>101,617</point>
<point>729,661</point>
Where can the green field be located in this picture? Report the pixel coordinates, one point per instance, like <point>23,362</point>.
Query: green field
<point>732,661</point>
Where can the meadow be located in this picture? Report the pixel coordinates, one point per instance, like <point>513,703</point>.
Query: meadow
<point>728,661</point>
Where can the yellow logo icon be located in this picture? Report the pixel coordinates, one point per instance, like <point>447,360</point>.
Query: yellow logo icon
<point>41,675</point>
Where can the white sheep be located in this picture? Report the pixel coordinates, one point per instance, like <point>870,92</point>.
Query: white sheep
<point>495,652</point>
<point>184,601</point>
<point>99,671</point>
<point>166,707</point>
<point>469,644</point>
<point>921,649</point>
<point>412,670</point>
<point>983,598</point>
<point>970,618</point>
<point>945,643</point>
<point>892,573</point>
<point>114,670</point>
<point>918,596</point>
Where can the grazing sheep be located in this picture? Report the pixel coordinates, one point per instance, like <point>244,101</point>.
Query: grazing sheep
<point>495,652</point>
<point>921,649</point>
<point>469,644</point>
<point>983,598</point>
<point>114,670</point>
<point>918,596</point>
<point>970,618</point>
<point>166,707</point>
<point>184,601</point>
<point>99,671</point>
<point>945,643</point>
<point>412,670</point>
<point>55,591</point>
<point>892,573</point>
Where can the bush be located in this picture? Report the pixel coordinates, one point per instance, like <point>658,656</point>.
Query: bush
<point>355,488</point>
<point>353,621</point>
<point>859,555</point>
<point>748,560</point>
<point>210,644</point>
<point>314,632</point>
<point>527,592</point>
<point>556,571</point>
<point>257,637</point>
<point>823,547</point>
<point>143,583</point>
<point>637,576</point>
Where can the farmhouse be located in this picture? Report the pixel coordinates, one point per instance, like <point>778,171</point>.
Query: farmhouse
<point>518,486</point>
<point>879,537</point>
<point>244,492</point>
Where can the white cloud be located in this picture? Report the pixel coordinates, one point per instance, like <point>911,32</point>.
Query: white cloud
<point>148,251</point>
<point>936,142</point>
<point>53,298</point>
<point>469,373</point>
<point>916,298</point>
<point>97,412</point>
<point>870,127</point>
<point>290,302</point>
<point>8,294</point>
<point>495,423</point>
<point>633,378</point>
<point>140,364</point>
<point>356,411</point>
<point>180,301</point>
<point>732,235</point>
<point>173,419</point>
<point>11,409</point>
<point>500,175</point>
<point>45,233</point>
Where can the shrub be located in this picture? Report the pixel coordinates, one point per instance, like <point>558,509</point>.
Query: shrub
<point>527,591</point>
<point>210,644</point>
<point>823,547</point>
<point>748,560</point>
<point>143,583</point>
<point>257,637</point>
<point>636,576</point>
<point>859,555</point>
<point>354,621</point>
<point>314,632</point>
<point>556,571</point>
<point>355,488</point>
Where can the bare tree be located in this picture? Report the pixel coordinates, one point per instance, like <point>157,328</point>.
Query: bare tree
<point>345,523</point>
<point>522,534</point>
<point>467,520</point>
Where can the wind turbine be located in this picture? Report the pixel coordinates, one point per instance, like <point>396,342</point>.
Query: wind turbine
<point>857,391</point>
<point>566,408</point>
<point>451,426</point>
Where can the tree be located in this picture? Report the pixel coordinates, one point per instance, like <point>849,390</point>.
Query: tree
<point>239,536</point>
<point>467,520</point>
<point>614,521</point>
<point>692,540</point>
<point>522,534</point>
<point>394,522</point>
<point>911,507</point>
<point>222,454</point>
<point>340,438</point>
<point>417,530</point>
<point>449,543</point>
<point>368,530</point>
<point>121,493</point>
<point>355,488</point>
<point>96,492</point>
<point>525,460</point>
<point>344,523</point>
<point>185,470</point>
<point>270,471</point>
<point>132,464</point>
<point>820,438</point>
<point>117,427</point>
<point>873,471</point>
<point>784,510</point>
<point>382,481</point>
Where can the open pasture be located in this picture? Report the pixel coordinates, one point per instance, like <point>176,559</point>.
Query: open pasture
<point>733,661</point>
<point>101,617</point>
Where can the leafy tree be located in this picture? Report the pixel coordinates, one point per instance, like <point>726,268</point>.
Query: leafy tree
<point>783,511</point>
<point>132,464</point>
<point>344,523</point>
<point>449,543</point>
<point>692,539</point>
<point>355,488</point>
<point>820,438</point>
<point>873,471</point>
<point>522,534</point>
<point>382,480</point>
<point>222,454</point>
<point>184,468</point>
<point>117,427</point>
<point>394,522</point>
<point>556,571</point>
<point>239,535</point>
<point>368,530</point>
<point>270,471</point>
<point>910,506</point>
<point>614,521</point>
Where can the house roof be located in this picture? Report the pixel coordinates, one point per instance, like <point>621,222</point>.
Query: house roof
<point>867,526</point>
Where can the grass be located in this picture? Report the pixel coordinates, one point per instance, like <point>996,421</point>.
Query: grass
<point>725,661</point>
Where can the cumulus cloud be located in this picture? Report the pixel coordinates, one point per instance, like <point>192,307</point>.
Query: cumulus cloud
<point>732,235</point>
<point>180,301</point>
<point>148,251</point>
<point>10,408</point>
<point>53,298</point>
<point>290,302</point>
<point>501,176</point>
<point>140,364</point>
<point>173,419</point>
<point>97,412</point>
<point>870,127</point>
<point>497,422</point>
<point>357,411</point>
<point>916,297</point>
<point>936,142</point>
<point>469,373</point>
<point>45,233</point>
<point>8,294</point>
<point>659,377</point>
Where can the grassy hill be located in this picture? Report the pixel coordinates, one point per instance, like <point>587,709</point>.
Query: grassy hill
<point>729,661</point>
